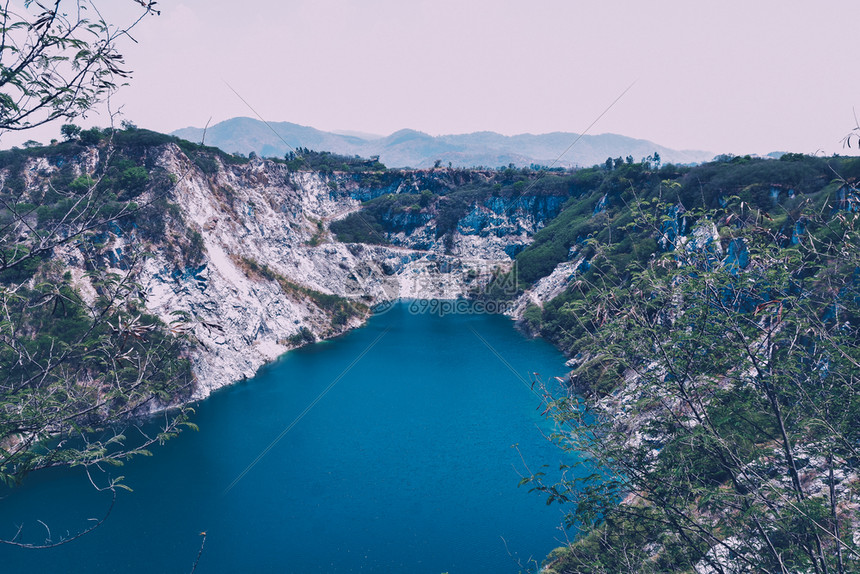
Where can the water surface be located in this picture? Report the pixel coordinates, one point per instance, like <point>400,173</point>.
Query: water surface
<point>405,465</point>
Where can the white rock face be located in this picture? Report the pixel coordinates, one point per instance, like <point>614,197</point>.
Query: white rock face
<point>248,267</point>
<point>547,288</point>
<point>259,212</point>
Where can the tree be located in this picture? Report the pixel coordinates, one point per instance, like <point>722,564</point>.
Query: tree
<point>57,60</point>
<point>91,136</point>
<point>70,131</point>
<point>75,370</point>
<point>724,378</point>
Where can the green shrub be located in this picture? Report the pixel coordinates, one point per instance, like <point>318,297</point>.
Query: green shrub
<point>81,184</point>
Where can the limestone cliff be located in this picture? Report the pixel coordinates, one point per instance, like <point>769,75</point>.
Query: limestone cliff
<point>245,258</point>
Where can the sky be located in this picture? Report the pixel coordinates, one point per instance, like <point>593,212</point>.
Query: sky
<point>728,77</point>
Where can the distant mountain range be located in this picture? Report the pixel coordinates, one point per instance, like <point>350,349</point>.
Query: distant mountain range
<point>410,148</point>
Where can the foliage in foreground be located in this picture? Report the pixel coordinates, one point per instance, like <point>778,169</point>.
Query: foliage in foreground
<point>724,378</point>
<point>81,361</point>
<point>79,358</point>
<point>76,369</point>
<point>74,372</point>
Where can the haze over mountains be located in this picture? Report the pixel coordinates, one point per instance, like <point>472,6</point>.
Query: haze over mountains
<point>410,148</point>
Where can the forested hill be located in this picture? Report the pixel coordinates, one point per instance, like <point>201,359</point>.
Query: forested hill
<point>712,316</point>
<point>605,217</point>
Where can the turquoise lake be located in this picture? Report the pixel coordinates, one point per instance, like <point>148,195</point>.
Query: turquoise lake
<point>405,465</point>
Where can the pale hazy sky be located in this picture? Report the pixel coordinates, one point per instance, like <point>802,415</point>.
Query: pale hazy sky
<point>731,76</point>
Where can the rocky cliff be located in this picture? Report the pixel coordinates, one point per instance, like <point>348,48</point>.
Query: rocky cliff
<point>245,258</point>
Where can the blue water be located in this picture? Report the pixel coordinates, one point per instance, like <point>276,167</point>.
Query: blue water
<point>405,465</point>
